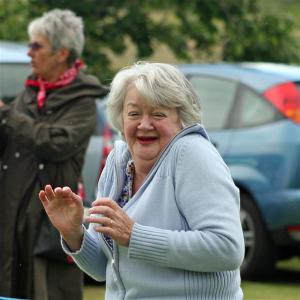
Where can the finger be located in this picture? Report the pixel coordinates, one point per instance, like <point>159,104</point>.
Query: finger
<point>67,194</point>
<point>49,192</point>
<point>58,191</point>
<point>77,197</point>
<point>105,201</point>
<point>66,190</point>
<point>104,229</point>
<point>104,221</point>
<point>102,210</point>
<point>70,196</point>
<point>43,197</point>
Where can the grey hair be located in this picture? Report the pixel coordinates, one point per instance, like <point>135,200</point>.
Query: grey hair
<point>159,84</point>
<point>63,29</point>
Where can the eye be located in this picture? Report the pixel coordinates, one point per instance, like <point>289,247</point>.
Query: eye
<point>133,113</point>
<point>159,115</point>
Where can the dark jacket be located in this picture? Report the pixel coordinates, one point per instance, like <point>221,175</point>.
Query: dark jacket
<point>54,138</point>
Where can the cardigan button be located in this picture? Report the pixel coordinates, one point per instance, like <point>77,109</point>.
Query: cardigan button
<point>41,166</point>
<point>17,154</point>
<point>5,167</point>
<point>3,121</point>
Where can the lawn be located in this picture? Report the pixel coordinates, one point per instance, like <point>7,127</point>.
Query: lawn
<point>285,285</point>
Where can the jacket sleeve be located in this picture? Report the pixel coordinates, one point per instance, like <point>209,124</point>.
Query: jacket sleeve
<point>208,202</point>
<point>54,141</point>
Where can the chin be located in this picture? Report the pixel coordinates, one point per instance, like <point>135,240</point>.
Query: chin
<point>34,72</point>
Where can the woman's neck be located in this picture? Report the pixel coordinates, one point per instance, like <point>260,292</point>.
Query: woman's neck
<point>55,74</point>
<point>141,172</point>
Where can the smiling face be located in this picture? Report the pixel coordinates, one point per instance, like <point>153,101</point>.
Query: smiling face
<point>147,130</point>
<point>44,62</point>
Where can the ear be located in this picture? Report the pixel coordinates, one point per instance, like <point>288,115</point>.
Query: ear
<point>63,55</point>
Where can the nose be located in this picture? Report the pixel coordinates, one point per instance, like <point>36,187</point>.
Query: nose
<point>30,52</point>
<point>145,123</point>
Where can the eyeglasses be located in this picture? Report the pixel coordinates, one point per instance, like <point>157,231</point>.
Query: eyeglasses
<point>35,46</point>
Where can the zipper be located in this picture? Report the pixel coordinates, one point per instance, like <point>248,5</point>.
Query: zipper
<point>115,266</point>
<point>107,245</point>
<point>114,252</point>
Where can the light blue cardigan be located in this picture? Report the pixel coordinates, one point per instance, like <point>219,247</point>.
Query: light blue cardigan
<point>187,240</point>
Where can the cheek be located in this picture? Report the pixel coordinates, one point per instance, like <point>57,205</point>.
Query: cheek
<point>171,128</point>
<point>128,130</point>
<point>168,132</point>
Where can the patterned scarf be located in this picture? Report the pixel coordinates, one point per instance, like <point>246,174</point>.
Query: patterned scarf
<point>64,79</point>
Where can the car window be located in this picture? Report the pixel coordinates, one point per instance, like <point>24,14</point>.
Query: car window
<point>252,110</point>
<point>12,78</point>
<point>216,97</point>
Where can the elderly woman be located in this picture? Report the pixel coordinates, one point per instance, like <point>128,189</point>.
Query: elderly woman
<point>43,137</point>
<point>165,224</point>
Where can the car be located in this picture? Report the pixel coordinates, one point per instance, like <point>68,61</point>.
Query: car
<point>14,68</point>
<point>252,114</point>
<point>100,144</point>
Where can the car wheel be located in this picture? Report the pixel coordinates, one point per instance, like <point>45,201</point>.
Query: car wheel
<point>259,256</point>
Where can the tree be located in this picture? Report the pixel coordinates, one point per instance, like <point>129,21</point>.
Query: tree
<point>231,30</point>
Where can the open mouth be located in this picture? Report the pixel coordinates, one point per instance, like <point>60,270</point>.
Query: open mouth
<point>146,139</point>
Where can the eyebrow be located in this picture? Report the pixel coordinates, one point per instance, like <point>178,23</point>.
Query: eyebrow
<point>132,104</point>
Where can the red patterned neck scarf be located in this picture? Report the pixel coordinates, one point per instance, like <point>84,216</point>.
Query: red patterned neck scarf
<point>64,79</point>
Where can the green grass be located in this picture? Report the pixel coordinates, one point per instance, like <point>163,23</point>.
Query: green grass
<point>93,292</point>
<point>284,285</point>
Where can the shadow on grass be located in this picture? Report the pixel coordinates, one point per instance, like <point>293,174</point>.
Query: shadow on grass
<point>280,276</point>
<point>88,281</point>
<point>286,276</point>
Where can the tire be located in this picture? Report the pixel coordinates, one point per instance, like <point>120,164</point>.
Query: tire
<point>259,258</point>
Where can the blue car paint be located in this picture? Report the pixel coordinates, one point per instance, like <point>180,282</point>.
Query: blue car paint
<point>264,160</point>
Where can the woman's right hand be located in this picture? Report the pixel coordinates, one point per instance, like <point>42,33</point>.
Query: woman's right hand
<point>65,211</point>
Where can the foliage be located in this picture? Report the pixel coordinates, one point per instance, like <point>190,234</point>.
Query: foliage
<point>13,19</point>
<point>214,29</point>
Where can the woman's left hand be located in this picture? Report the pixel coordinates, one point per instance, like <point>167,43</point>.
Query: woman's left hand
<point>114,221</point>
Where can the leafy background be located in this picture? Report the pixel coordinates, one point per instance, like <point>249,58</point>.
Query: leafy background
<point>119,32</point>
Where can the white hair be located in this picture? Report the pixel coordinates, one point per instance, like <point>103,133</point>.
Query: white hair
<point>160,85</point>
<point>62,28</point>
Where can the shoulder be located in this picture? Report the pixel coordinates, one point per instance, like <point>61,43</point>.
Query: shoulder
<point>120,154</point>
<point>195,151</point>
<point>193,145</point>
<point>92,81</point>
<point>85,77</point>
